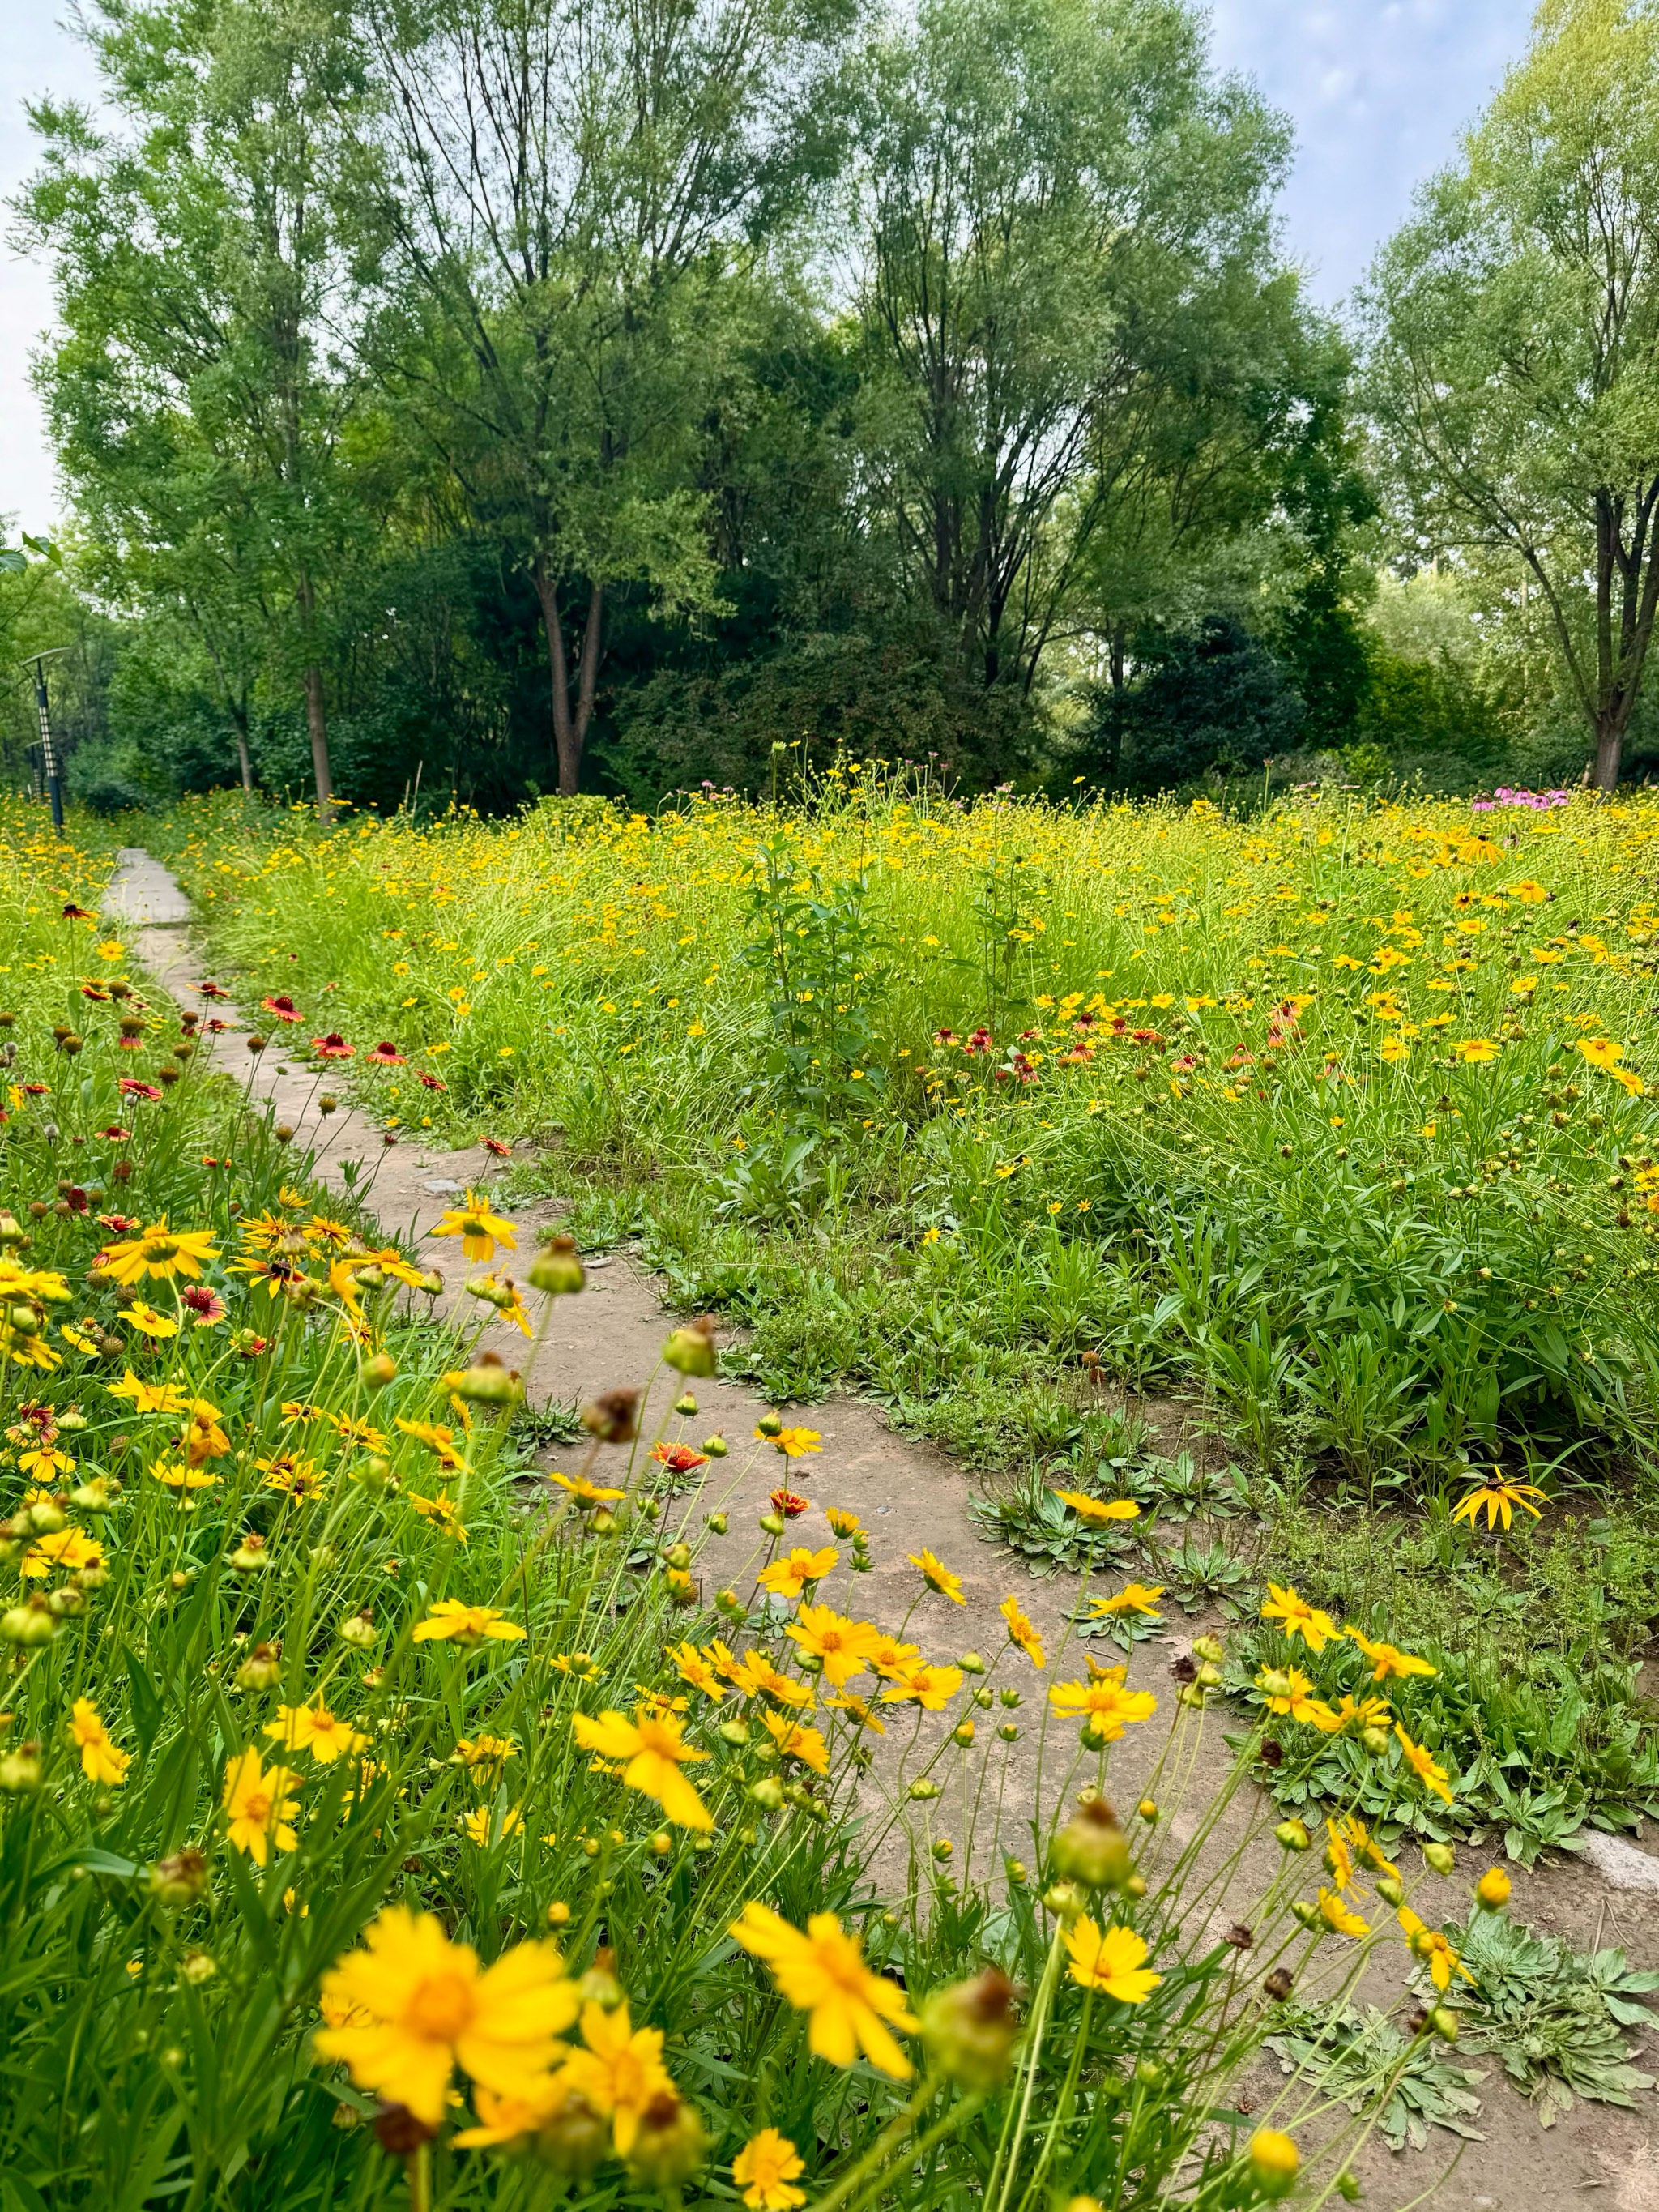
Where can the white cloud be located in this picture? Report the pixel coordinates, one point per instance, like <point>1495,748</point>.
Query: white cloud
<point>1379,96</point>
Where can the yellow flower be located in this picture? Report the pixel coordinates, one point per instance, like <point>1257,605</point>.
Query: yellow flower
<point>655,1749</point>
<point>160,1252</point>
<point>755,1675</point>
<point>450,1621</point>
<point>260,1807</point>
<point>796,1741</point>
<point>1022,1631</point>
<point>440,1441</point>
<point>841,1523</point>
<point>937,1575</point>
<point>1103,1704</point>
<point>147,1322</point>
<point>64,1547</point>
<point>100,1760</point>
<point>1288,1690</point>
<point>822,1973</point>
<point>765,2168</point>
<point>1432,1947</point>
<point>1422,1765</point>
<point>1297,1618</point>
<point>479,1229</point>
<point>1601,1051</point>
<point>843,1645</point>
<point>794,1443</point>
<point>150,1397</point>
<point>1112,1962</point>
<point>177,1474</point>
<point>889,1656</point>
<point>300,1479</point>
<point>1500,1497</point>
<point>1338,1916</point>
<point>429,2007</point>
<point>621,2073</point>
<point>485,1755</point>
<point>441,1510</point>
<point>1386,1659</point>
<point>586,1492</point>
<point>312,1728</point>
<point>1134,1597</point>
<point>789,1576</point>
<point>850,1702</point>
<point>690,1665</point>
<point>1473,1050</point>
<point>477,1827</point>
<point>930,1688</point>
<point>1098,1511</point>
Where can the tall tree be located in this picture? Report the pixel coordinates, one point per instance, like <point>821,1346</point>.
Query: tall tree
<point>206,262</point>
<point>1513,329</point>
<point>1056,199</point>
<point>568,183</point>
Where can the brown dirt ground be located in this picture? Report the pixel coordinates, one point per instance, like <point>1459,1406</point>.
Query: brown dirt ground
<point>910,1496</point>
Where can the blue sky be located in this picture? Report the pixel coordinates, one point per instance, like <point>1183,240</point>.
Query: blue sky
<point>1378,91</point>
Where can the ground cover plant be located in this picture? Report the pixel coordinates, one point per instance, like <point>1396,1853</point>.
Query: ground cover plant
<point>375,1831</point>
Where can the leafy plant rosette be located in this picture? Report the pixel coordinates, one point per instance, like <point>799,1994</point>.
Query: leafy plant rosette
<point>1534,1757</point>
<point>1555,2018</point>
<point>375,1828</point>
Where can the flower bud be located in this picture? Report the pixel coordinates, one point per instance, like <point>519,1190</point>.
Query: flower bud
<point>262,1668</point>
<point>1292,1836</point>
<point>1492,1890</point>
<point>772,1523</point>
<point>250,1556</point>
<point>769,1424</point>
<point>181,1880</point>
<point>1376,1741</point>
<point>198,1967</point>
<point>1274,2161</point>
<point>487,1382</point>
<point>1208,1649</point>
<point>715,1524</point>
<point>599,1985</point>
<point>1147,1810</point>
<point>19,1770</point>
<point>1444,2021</point>
<point>1391,1890</point>
<point>969,2030</point>
<point>767,1792</point>
<point>48,1517</point>
<point>715,1447</point>
<point>380,1369</point>
<point>691,1349</point>
<point>734,1731</point>
<point>1308,1914</point>
<point>28,1625</point>
<point>1091,1847</point>
<point>670,2144</point>
<point>1440,1856</point>
<point>613,1417</point>
<point>922,1791</point>
<point>944,1850</point>
<point>358,1630</point>
<point>572,2137</point>
<point>1065,1899</point>
<point>971,1664</point>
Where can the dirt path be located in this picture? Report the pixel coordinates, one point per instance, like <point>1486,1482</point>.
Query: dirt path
<point>910,1496</point>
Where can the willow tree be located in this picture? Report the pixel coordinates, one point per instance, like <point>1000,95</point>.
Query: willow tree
<point>206,252</point>
<point>1512,330</point>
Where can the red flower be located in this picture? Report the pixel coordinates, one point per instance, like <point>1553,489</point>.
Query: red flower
<point>38,1090</point>
<point>944,1037</point>
<point>207,1305</point>
<point>790,1504</point>
<point>495,1145</point>
<point>386,1055</point>
<point>131,1087</point>
<point>120,1224</point>
<point>216,1026</point>
<point>283,1007</point>
<point>251,1347</point>
<point>1184,1066</point>
<point>91,991</point>
<point>75,1198</point>
<point>332,1047</point>
<point>432,1082</point>
<point>1146,1036</point>
<point>979,1043</point>
<point>679,1459</point>
<point>214,991</point>
<point>115,1135</point>
<point>73,913</point>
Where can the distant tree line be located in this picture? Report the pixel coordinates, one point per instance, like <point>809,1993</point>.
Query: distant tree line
<point>521,396</point>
